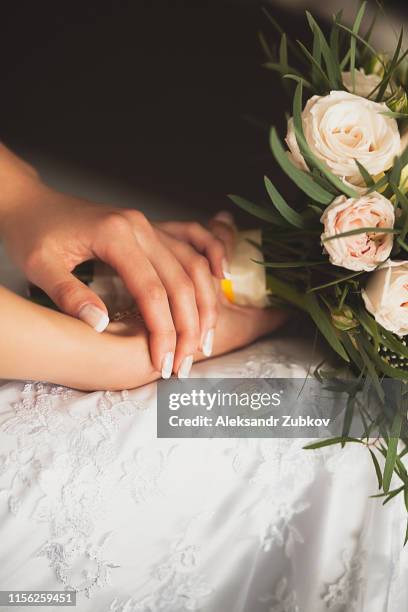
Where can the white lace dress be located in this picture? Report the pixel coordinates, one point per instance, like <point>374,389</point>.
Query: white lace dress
<point>91,500</point>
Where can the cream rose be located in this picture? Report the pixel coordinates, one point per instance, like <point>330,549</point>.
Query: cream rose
<point>342,127</point>
<point>364,83</point>
<point>386,296</point>
<point>363,251</point>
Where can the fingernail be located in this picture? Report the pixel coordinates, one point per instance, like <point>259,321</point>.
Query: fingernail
<point>225,269</point>
<point>167,365</point>
<point>94,316</point>
<point>185,367</point>
<point>225,217</point>
<point>208,343</point>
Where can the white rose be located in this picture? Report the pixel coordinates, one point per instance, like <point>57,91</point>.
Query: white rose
<point>364,83</point>
<point>340,128</point>
<point>363,251</point>
<point>386,296</point>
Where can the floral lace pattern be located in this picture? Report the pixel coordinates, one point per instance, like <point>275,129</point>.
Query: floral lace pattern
<point>137,524</point>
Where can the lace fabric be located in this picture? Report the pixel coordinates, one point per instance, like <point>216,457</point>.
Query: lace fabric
<point>90,500</point>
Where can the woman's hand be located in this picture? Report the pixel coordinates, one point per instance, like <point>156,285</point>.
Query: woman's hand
<point>236,327</point>
<point>48,234</point>
<point>41,344</point>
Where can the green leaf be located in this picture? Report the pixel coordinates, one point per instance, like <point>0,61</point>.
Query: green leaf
<point>402,244</point>
<point>368,34</point>
<point>345,59</point>
<point>392,451</point>
<point>265,47</point>
<point>281,68</point>
<point>390,371</point>
<point>391,68</point>
<point>406,535</point>
<point>362,347</point>
<point>382,182</point>
<point>352,351</point>
<point>393,494</point>
<point>283,50</point>
<point>389,495</point>
<point>377,468</point>
<point>257,211</point>
<point>348,418</point>
<point>369,324</point>
<point>353,43</point>
<point>332,66</point>
<point>394,115</point>
<point>403,200</point>
<point>298,79</point>
<point>289,264</point>
<point>334,37</point>
<point>319,70</point>
<point>278,28</point>
<point>330,442</point>
<point>291,216</point>
<point>335,282</point>
<point>392,343</point>
<point>317,54</point>
<point>303,180</point>
<point>286,292</point>
<point>367,178</point>
<point>324,325</point>
<point>363,230</point>
<point>362,41</point>
<point>311,158</point>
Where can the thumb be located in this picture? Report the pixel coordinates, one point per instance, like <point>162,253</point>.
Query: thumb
<point>73,297</point>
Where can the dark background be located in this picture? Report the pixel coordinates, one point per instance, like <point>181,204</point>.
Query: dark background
<point>155,94</point>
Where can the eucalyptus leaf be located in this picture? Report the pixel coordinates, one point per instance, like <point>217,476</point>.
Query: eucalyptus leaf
<point>303,180</point>
<point>362,230</point>
<point>392,451</point>
<point>324,325</point>
<point>332,66</point>
<point>330,442</point>
<point>291,216</point>
<point>377,468</point>
<point>257,211</point>
<point>367,178</point>
<point>353,43</point>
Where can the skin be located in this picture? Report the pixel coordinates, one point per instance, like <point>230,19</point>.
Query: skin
<point>176,288</point>
<point>47,234</point>
<point>41,344</point>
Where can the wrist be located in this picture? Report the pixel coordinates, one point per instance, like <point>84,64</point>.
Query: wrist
<point>19,182</point>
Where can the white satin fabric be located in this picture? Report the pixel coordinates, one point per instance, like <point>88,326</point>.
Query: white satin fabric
<point>91,500</point>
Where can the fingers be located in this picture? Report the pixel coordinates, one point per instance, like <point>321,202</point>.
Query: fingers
<point>160,286</point>
<point>203,241</point>
<point>72,296</point>
<point>198,270</point>
<point>222,226</point>
<point>143,283</point>
<point>182,298</point>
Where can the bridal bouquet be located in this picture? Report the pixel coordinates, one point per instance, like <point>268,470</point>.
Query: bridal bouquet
<point>340,251</point>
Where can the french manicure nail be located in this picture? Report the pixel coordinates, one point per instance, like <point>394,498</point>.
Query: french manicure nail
<point>225,269</point>
<point>224,217</point>
<point>167,365</point>
<point>185,367</point>
<point>94,316</point>
<point>208,343</point>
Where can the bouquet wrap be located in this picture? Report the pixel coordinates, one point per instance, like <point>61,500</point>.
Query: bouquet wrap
<point>246,285</point>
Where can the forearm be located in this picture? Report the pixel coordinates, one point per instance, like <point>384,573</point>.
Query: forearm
<point>40,344</point>
<point>17,179</point>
